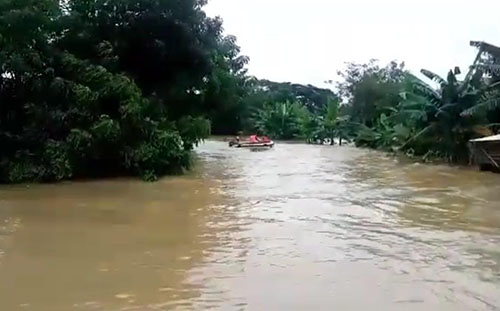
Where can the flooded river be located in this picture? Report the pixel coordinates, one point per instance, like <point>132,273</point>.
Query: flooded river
<point>295,228</point>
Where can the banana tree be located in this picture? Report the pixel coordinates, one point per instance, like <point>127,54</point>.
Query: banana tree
<point>437,115</point>
<point>333,125</point>
<point>386,134</point>
<point>308,124</point>
<point>278,119</point>
<point>330,121</point>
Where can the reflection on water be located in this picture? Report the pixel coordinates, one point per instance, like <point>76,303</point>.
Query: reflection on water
<point>295,228</point>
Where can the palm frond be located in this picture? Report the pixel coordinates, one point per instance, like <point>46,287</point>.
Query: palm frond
<point>418,135</point>
<point>408,113</point>
<point>416,100</point>
<point>448,107</point>
<point>482,107</point>
<point>417,86</point>
<point>434,77</point>
<point>493,85</point>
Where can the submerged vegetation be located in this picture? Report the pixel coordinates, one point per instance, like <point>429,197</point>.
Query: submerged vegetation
<point>119,87</point>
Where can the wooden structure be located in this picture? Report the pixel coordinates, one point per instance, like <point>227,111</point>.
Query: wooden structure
<point>485,152</point>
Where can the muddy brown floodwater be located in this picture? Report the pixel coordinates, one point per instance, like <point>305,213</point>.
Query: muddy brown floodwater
<point>294,228</point>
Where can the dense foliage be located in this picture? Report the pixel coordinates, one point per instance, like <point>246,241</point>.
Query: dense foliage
<point>285,110</point>
<point>93,88</point>
<point>387,107</point>
<point>435,121</point>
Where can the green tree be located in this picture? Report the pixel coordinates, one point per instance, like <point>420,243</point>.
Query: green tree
<point>438,114</point>
<point>172,50</point>
<point>260,93</point>
<point>279,120</point>
<point>368,90</point>
<point>226,87</point>
<point>308,125</point>
<point>86,89</point>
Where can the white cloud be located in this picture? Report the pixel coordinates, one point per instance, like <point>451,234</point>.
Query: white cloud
<point>307,41</point>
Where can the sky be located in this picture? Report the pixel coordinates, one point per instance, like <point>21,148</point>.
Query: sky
<point>308,41</point>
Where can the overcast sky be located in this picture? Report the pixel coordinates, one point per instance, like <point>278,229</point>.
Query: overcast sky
<point>307,41</point>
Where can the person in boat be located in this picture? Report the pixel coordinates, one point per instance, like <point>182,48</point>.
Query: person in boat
<point>254,139</point>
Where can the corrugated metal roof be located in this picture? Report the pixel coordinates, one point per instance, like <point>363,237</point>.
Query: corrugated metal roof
<point>488,138</point>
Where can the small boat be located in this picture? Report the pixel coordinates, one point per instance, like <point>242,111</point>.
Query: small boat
<point>253,141</point>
